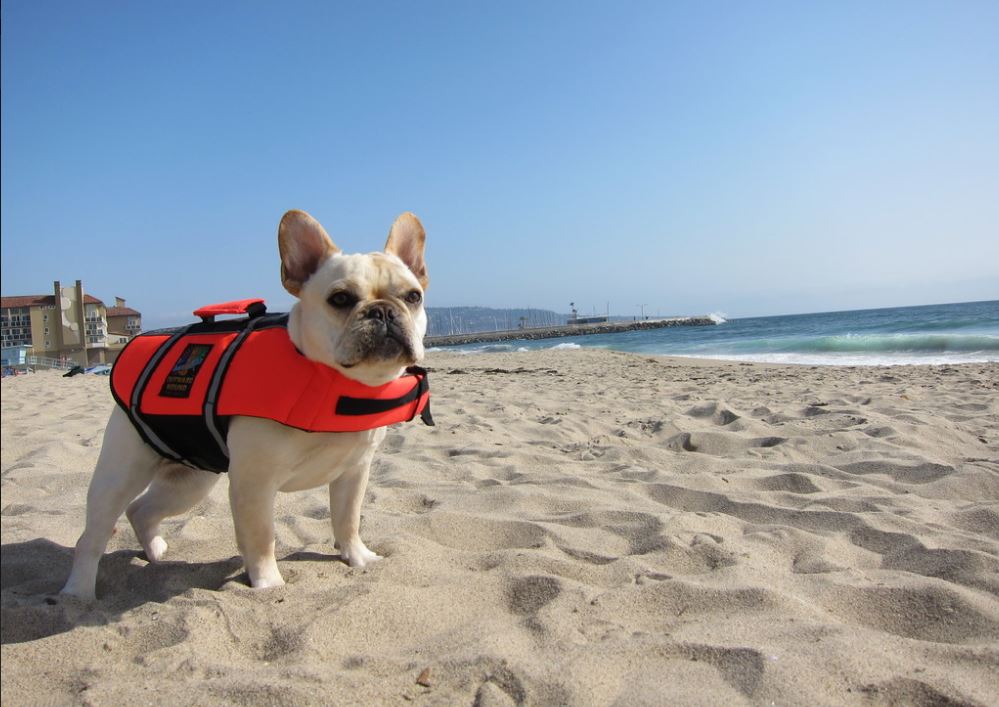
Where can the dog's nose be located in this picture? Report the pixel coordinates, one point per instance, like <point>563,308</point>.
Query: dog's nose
<point>382,313</point>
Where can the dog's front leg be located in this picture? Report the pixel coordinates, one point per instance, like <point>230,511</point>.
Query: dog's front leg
<point>346,496</point>
<point>252,505</point>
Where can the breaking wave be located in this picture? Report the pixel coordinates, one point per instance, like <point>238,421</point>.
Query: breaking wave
<point>878,343</point>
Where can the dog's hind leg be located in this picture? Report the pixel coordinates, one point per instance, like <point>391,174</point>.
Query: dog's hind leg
<point>175,489</point>
<point>125,467</point>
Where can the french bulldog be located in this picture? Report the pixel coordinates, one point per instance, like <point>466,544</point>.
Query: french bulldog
<point>363,315</point>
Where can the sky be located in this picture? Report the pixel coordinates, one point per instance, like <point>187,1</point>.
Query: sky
<point>668,157</point>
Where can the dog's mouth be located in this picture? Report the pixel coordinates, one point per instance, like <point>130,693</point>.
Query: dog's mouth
<point>379,344</point>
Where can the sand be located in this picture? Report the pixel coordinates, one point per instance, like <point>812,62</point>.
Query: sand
<point>581,527</point>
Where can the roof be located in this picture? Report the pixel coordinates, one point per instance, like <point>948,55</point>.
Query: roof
<point>39,300</point>
<point>25,300</point>
<point>123,312</point>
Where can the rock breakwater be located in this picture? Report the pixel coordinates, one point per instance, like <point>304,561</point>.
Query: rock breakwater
<point>555,332</point>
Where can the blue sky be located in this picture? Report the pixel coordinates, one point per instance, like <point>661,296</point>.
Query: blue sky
<point>749,158</point>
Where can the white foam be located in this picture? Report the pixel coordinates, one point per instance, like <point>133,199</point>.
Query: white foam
<point>717,317</point>
<point>472,349</point>
<point>881,360</point>
<point>566,347</point>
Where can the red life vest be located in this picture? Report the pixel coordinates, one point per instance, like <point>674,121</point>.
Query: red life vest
<point>180,387</point>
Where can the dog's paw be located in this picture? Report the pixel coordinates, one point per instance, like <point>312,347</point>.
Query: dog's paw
<point>71,591</point>
<point>357,555</point>
<point>265,576</point>
<point>156,549</point>
<point>267,582</point>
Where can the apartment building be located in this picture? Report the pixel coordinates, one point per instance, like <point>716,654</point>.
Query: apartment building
<point>68,324</point>
<point>123,320</point>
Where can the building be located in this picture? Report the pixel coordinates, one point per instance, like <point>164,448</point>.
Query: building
<point>122,320</point>
<point>67,325</point>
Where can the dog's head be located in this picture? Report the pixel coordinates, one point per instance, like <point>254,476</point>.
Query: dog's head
<point>361,314</point>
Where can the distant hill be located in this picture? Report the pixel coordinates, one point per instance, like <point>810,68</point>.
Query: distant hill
<point>448,321</point>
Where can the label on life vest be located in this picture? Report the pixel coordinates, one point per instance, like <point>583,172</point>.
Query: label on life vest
<point>180,380</point>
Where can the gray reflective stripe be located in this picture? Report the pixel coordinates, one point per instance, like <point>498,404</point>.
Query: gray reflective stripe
<point>134,410</point>
<point>211,397</point>
<point>213,428</point>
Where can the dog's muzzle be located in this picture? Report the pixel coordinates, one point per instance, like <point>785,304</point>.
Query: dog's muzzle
<point>383,334</point>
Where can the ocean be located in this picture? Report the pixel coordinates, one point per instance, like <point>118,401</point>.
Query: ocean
<point>931,334</point>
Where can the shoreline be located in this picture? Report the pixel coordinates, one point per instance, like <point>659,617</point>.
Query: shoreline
<point>792,360</point>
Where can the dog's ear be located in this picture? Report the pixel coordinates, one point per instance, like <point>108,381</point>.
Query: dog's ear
<point>406,240</point>
<point>303,245</point>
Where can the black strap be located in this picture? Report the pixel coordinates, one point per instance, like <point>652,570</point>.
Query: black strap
<point>135,404</point>
<point>216,426</point>
<point>347,405</point>
<point>427,418</point>
<point>422,374</point>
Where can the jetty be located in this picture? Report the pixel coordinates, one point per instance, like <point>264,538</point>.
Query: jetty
<point>554,332</point>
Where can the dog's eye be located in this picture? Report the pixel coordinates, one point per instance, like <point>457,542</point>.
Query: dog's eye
<point>414,297</point>
<point>341,300</point>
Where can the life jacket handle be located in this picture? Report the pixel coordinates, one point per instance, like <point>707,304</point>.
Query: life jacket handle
<point>253,307</point>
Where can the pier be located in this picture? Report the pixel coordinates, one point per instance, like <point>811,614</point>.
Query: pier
<point>554,332</point>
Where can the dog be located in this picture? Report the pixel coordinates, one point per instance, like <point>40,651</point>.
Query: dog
<point>362,315</point>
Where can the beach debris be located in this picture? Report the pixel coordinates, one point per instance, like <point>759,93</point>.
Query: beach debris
<point>424,678</point>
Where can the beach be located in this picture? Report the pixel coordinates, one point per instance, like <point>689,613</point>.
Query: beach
<point>581,527</point>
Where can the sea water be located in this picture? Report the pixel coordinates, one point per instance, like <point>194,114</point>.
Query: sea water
<point>932,334</point>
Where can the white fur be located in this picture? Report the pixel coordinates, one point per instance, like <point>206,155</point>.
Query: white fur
<point>265,456</point>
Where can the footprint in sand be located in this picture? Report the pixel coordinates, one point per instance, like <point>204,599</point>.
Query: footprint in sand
<point>527,595</point>
<point>791,483</point>
<point>717,411</point>
<point>921,473</point>
<point>472,533</point>
<point>719,443</point>
<point>924,613</point>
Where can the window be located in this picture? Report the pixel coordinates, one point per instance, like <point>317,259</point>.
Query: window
<point>16,326</point>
